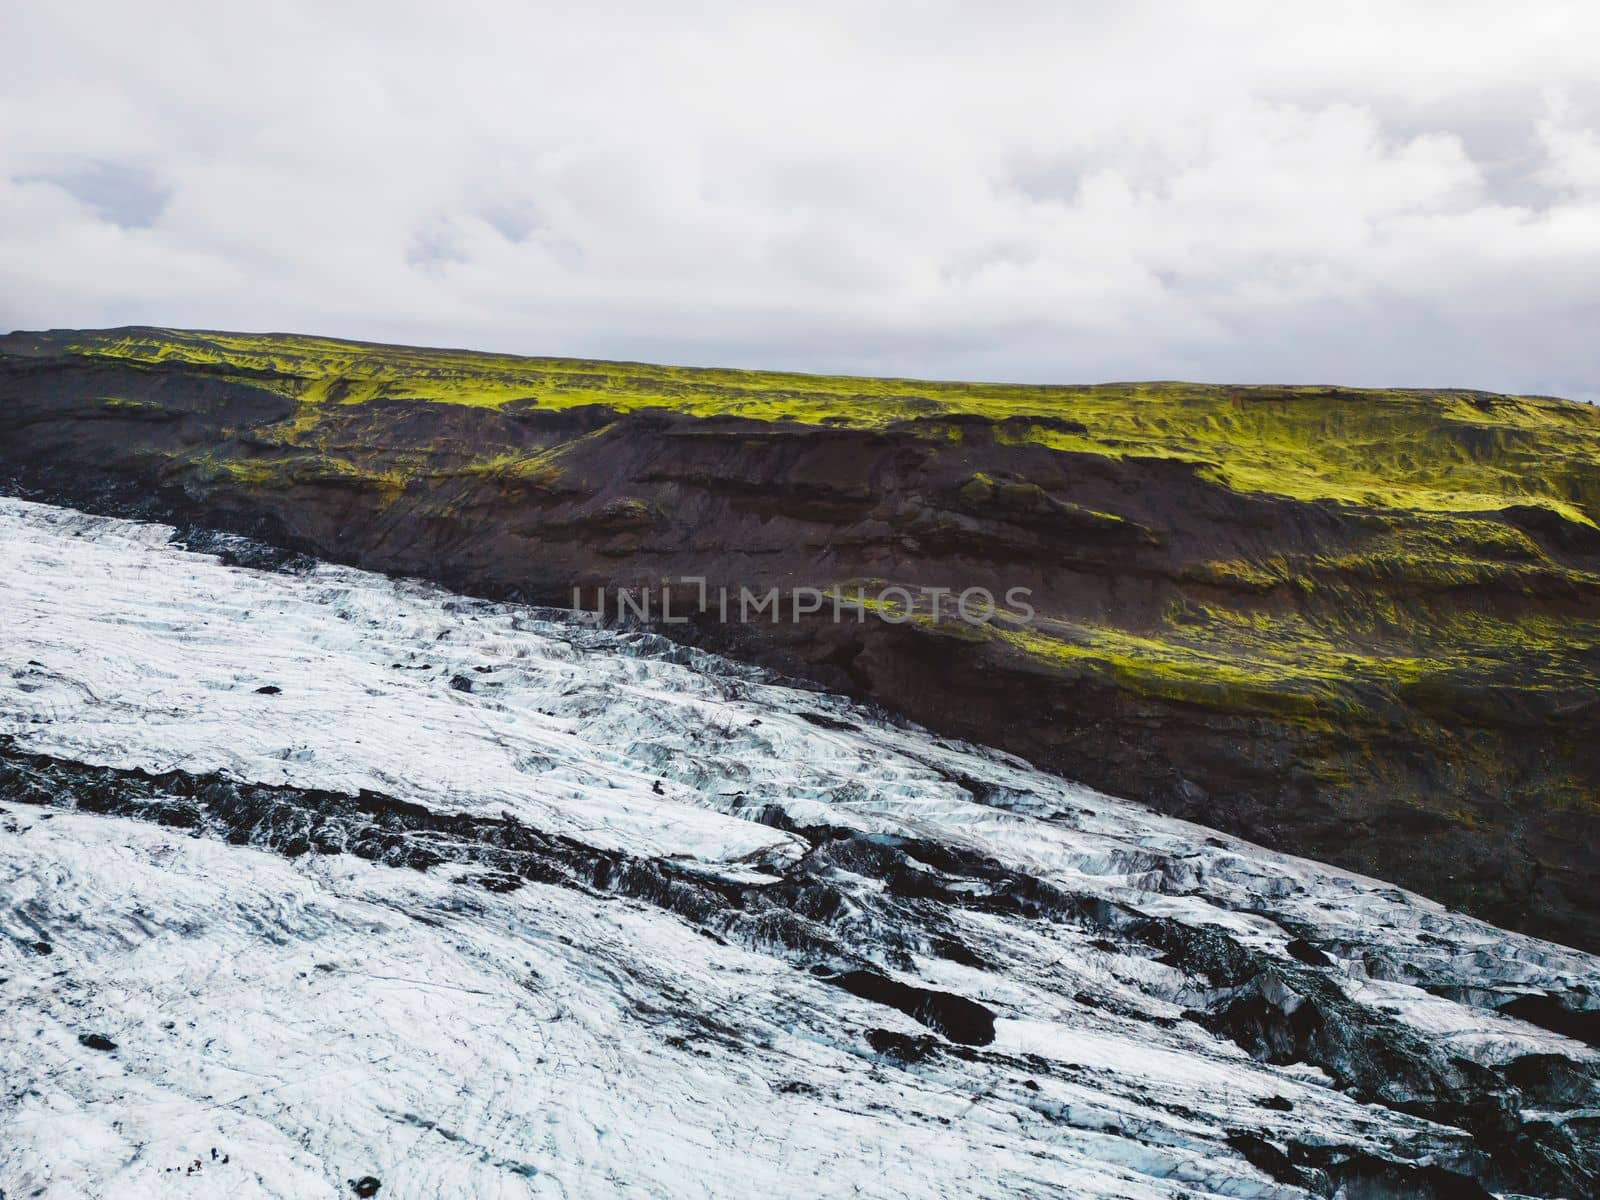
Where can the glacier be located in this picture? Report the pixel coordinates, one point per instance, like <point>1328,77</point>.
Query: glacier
<point>318,883</point>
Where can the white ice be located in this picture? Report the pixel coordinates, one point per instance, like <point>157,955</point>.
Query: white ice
<point>322,1018</point>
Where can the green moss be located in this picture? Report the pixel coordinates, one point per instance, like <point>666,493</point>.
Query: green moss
<point>1336,660</point>
<point>255,473</point>
<point>978,490</point>
<point>1428,452</point>
<point>1267,682</point>
<point>278,473</point>
<point>1236,575</point>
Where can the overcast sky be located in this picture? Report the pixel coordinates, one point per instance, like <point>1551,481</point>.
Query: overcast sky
<point>1392,193</point>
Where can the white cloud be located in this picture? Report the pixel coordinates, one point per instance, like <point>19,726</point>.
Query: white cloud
<point>1572,154</point>
<point>1396,193</point>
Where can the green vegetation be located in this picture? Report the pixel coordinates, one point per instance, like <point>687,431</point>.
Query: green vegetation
<point>1422,452</point>
<point>1293,665</point>
<point>1425,607</point>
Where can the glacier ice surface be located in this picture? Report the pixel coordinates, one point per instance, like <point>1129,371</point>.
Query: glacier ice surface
<point>319,1018</point>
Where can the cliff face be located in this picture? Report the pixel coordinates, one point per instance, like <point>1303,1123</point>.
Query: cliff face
<point>1361,626</point>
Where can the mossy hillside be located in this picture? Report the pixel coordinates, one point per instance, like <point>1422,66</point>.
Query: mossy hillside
<point>1349,657</point>
<point>1453,618</point>
<point>1450,617</point>
<point>1290,666</point>
<point>1406,450</point>
<point>1427,608</point>
<point>1360,625</point>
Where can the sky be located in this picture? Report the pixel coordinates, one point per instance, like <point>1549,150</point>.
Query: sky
<point>1399,193</point>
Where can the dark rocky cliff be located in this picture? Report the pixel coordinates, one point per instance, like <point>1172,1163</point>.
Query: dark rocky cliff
<point>1363,627</point>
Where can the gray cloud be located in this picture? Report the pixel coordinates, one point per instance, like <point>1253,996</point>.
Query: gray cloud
<point>126,196</point>
<point>1377,194</point>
